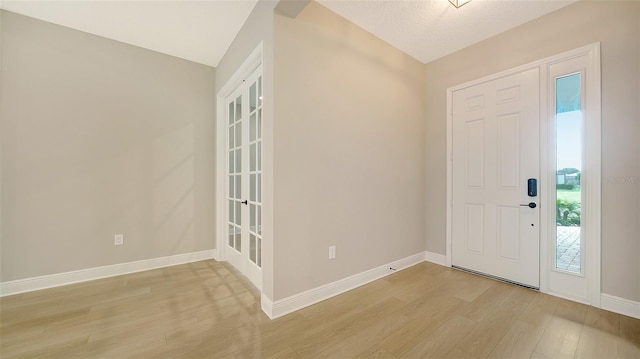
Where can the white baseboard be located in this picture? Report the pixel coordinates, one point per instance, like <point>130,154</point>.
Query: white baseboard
<point>436,258</point>
<point>267,305</point>
<point>83,275</point>
<point>216,255</point>
<point>298,301</point>
<point>620,305</point>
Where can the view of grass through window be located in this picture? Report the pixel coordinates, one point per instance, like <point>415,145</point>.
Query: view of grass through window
<point>568,172</point>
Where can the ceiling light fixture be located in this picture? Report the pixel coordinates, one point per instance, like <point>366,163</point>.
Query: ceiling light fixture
<point>458,3</point>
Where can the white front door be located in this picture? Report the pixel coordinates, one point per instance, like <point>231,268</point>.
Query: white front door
<point>496,142</point>
<point>243,247</point>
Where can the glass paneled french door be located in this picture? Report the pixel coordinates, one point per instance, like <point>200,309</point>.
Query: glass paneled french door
<point>244,178</point>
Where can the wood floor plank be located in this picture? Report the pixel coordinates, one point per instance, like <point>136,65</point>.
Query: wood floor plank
<point>540,311</point>
<point>572,311</point>
<point>208,310</point>
<point>425,317</point>
<point>375,352</point>
<point>519,342</point>
<point>334,333</point>
<point>424,311</point>
<point>490,331</point>
<point>595,343</point>
<point>71,349</point>
<point>559,339</point>
<point>602,320</point>
<point>628,343</point>
<point>458,354</point>
<point>34,347</point>
<point>286,353</point>
<point>442,340</point>
<point>488,302</point>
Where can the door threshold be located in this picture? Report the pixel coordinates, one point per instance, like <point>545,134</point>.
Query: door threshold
<point>496,278</point>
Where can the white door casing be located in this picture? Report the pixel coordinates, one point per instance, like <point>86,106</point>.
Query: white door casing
<point>576,286</point>
<point>243,247</point>
<point>235,185</point>
<point>591,211</point>
<point>495,151</point>
<point>247,78</point>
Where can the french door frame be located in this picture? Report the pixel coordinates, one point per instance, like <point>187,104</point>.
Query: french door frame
<point>592,149</point>
<point>248,67</point>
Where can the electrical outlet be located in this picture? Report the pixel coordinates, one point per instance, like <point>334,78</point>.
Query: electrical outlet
<point>332,252</point>
<point>118,239</point>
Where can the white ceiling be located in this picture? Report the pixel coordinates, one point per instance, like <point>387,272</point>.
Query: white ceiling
<point>202,30</point>
<point>430,29</point>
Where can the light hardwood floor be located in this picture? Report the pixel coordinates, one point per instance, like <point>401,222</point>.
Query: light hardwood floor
<point>207,310</point>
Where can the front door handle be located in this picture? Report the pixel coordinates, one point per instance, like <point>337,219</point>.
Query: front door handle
<point>530,205</point>
<point>245,202</point>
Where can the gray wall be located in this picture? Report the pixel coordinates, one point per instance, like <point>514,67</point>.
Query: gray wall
<point>616,24</point>
<point>98,138</point>
<point>348,151</point>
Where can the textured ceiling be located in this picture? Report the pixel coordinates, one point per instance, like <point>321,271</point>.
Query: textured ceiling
<point>430,29</point>
<point>202,30</point>
<point>199,31</point>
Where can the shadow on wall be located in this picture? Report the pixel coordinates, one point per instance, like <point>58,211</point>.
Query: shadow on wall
<point>153,202</point>
<point>172,197</point>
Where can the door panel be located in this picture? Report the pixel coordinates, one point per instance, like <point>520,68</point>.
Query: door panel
<point>474,234</point>
<point>244,190</point>
<point>508,228</point>
<point>475,153</point>
<point>234,175</point>
<point>495,151</point>
<point>509,151</point>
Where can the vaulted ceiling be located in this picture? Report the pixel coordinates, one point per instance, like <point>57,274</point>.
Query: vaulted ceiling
<point>201,31</point>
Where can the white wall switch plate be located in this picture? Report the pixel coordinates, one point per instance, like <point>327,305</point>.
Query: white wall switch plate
<point>118,239</point>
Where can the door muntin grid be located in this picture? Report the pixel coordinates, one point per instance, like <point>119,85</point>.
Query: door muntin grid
<point>234,176</point>
<point>245,139</point>
<point>255,172</point>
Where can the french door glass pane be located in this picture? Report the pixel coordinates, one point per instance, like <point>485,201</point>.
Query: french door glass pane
<point>252,158</point>
<point>260,123</point>
<point>238,134</point>
<point>259,224</point>
<point>238,111</point>
<point>238,244</point>
<point>252,218</point>
<point>238,189</point>
<point>238,210</point>
<point>252,98</point>
<point>252,127</point>
<point>252,248</point>
<point>569,129</point>
<point>260,91</point>
<point>252,185</point>
<point>259,156</point>
<point>259,250</point>
<point>238,157</point>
